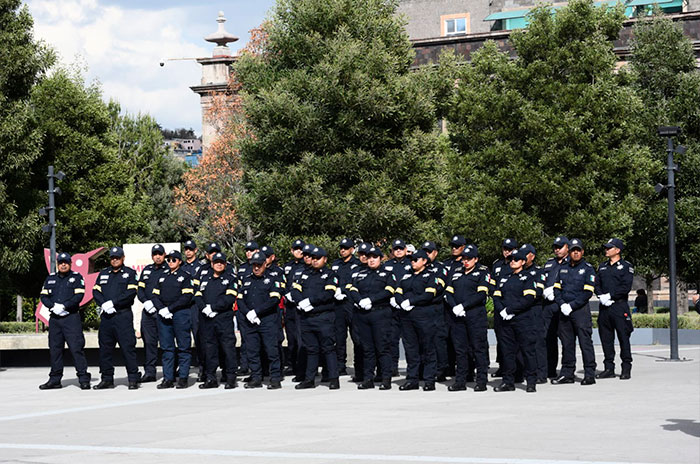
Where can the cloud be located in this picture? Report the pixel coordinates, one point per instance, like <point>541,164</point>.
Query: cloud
<point>122,48</point>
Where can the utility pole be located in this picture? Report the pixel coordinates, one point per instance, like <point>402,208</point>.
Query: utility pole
<point>51,212</point>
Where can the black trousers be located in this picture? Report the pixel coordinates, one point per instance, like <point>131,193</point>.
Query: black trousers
<point>149,335</point>
<point>613,320</point>
<point>374,328</point>
<point>318,337</point>
<point>441,337</point>
<point>240,322</point>
<point>540,341</point>
<point>343,322</point>
<point>118,328</point>
<point>470,340</point>
<point>518,335</point>
<point>579,325</point>
<point>67,329</point>
<point>199,349</point>
<point>418,329</point>
<point>264,337</point>
<point>395,337</point>
<point>219,338</point>
<point>550,319</point>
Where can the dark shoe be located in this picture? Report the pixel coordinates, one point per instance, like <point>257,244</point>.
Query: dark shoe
<point>395,372</point>
<point>201,377</point>
<point>253,383</point>
<point>297,378</point>
<point>230,385</point>
<point>519,380</point>
<point>182,383</point>
<point>274,385</point>
<point>377,378</point>
<point>504,387</point>
<point>248,379</point>
<point>343,371</point>
<point>531,389</point>
<point>498,373</point>
<point>357,379</point>
<point>53,385</point>
<point>133,385</point>
<point>386,385</point>
<point>440,378</point>
<point>148,378</point>
<point>588,381</point>
<point>209,384</point>
<point>165,384</point>
<point>289,371</point>
<point>325,379</point>
<point>243,371</point>
<point>480,387</point>
<point>305,384</point>
<point>457,387</point>
<point>84,385</point>
<point>366,385</point>
<point>409,386</point>
<point>334,384</point>
<point>541,380</point>
<point>606,374</point>
<point>429,386</point>
<point>561,380</point>
<point>626,373</point>
<point>103,385</point>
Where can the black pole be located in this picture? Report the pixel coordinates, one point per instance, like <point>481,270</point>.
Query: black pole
<point>673,309</point>
<point>52,222</point>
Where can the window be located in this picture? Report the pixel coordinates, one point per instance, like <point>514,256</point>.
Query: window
<point>454,24</point>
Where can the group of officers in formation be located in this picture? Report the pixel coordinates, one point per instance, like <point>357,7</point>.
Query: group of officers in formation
<point>437,309</point>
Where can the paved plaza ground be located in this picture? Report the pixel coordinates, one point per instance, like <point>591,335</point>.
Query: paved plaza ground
<point>653,418</point>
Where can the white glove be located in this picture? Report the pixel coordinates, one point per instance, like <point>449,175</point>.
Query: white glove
<point>339,295</point>
<point>365,303</point>
<point>59,310</point>
<point>605,299</point>
<point>406,305</point>
<point>251,316</point>
<point>148,306</point>
<point>305,305</point>
<point>504,315</point>
<point>108,309</point>
<point>107,305</point>
<point>165,313</point>
<point>207,311</point>
<point>566,309</point>
<point>549,293</point>
<point>256,321</point>
<point>393,303</point>
<point>459,311</point>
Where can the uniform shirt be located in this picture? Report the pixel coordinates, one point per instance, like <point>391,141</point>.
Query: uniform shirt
<point>375,284</point>
<point>244,270</point>
<point>615,279</point>
<point>277,273</point>
<point>500,268</point>
<point>67,289</point>
<point>117,285</point>
<point>398,267</point>
<point>441,279</point>
<point>260,294</point>
<point>193,267</point>
<point>291,267</point>
<point>470,289</point>
<point>218,292</point>
<point>346,271</point>
<point>516,293</point>
<point>538,276</point>
<point>204,271</point>
<point>452,265</point>
<point>419,289</point>
<point>551,270</point>
<point>174,290</point>
<point>575,285</point>
<point>148,280</point>
<point>319,286</point>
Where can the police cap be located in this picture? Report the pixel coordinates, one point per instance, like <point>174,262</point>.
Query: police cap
<point>318,252</point>
<point>458,241</point>
<point>218,258</point>
<point>576,243</point>
<point>258,258</point>
<point>298,244</point>
<point>375,251</point>
<point>250,246</point>
<point>157,249</point>
<point>175,254</point>
<point>510,244</point>
<point>419,254</point>
<point>615,242</point>
<point>116,252</point>
<point>213,247</point>
<point>398,244</point>
<point>64,258</point>
<point>560,241</point>
<point>429,246</point>
<point>470,251</point>
<point>190,245</point>
<point>346,243</point>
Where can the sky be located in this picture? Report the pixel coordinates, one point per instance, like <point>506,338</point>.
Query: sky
<point>120,43</point>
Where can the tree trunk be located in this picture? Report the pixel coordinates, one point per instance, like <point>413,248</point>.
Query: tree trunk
<point>682,297</point>
<point>19,308</point>
<point>649,279</point>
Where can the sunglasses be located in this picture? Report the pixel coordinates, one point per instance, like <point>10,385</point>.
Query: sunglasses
<point>172,260</point>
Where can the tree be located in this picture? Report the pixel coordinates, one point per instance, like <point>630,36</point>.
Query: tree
<point>342,134</point>
<point>547,144</point>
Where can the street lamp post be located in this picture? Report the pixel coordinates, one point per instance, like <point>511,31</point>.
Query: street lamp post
<point>50,211</point>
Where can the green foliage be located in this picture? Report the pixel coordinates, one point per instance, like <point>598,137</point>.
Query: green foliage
<point>343,137</point>
<point>663,321</point>
<point>17,327</point>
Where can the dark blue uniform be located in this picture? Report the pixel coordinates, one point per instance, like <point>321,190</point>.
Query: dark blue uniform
<point>499,269</point>
<point>441,326</point>
<point>118,286</point>
<point>469,332</point>
<point>67,289</point>
<point>616,280</point>
<point>344,315</point>
<point>550,314</point>
<point>262,295</point>
<point>374,324</point>
<point>318,325</point>
<point>292,271</point>
<point>538,276</point>
<point>418,325</point>
<point>217,331</point>
<point>517,294</point>
<point>199,344</point>
<point>575,286</point>
<point>398,267</point>
<point>244,270</point>
<point>149,318</point>
<point>174,291</point>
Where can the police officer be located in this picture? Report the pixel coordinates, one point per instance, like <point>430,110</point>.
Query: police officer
<point>149,319</point>
<point>114,293</point>
<point>277,273</point>
<point>345,267</point>
<point>572,291</point>
<point>415,295</point>
<point>513,302</point>
<point>214,299</point>
<point>258,303</point>
<point>246,268</point>
<point>454,263</point>
<point>315,297</point>
<point>613,284</point>
<point>500,268</point>
<point>61,294</point>
<point>292,272</point>
<point>243,271</point>
<point>370,292</point>
<point>172,297</point>
<point>441,327</point>
<point>538,275</point>
<point>550,309</point>
<point>191,265</point>
<point>466,295</point>
<point>399,265</point>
